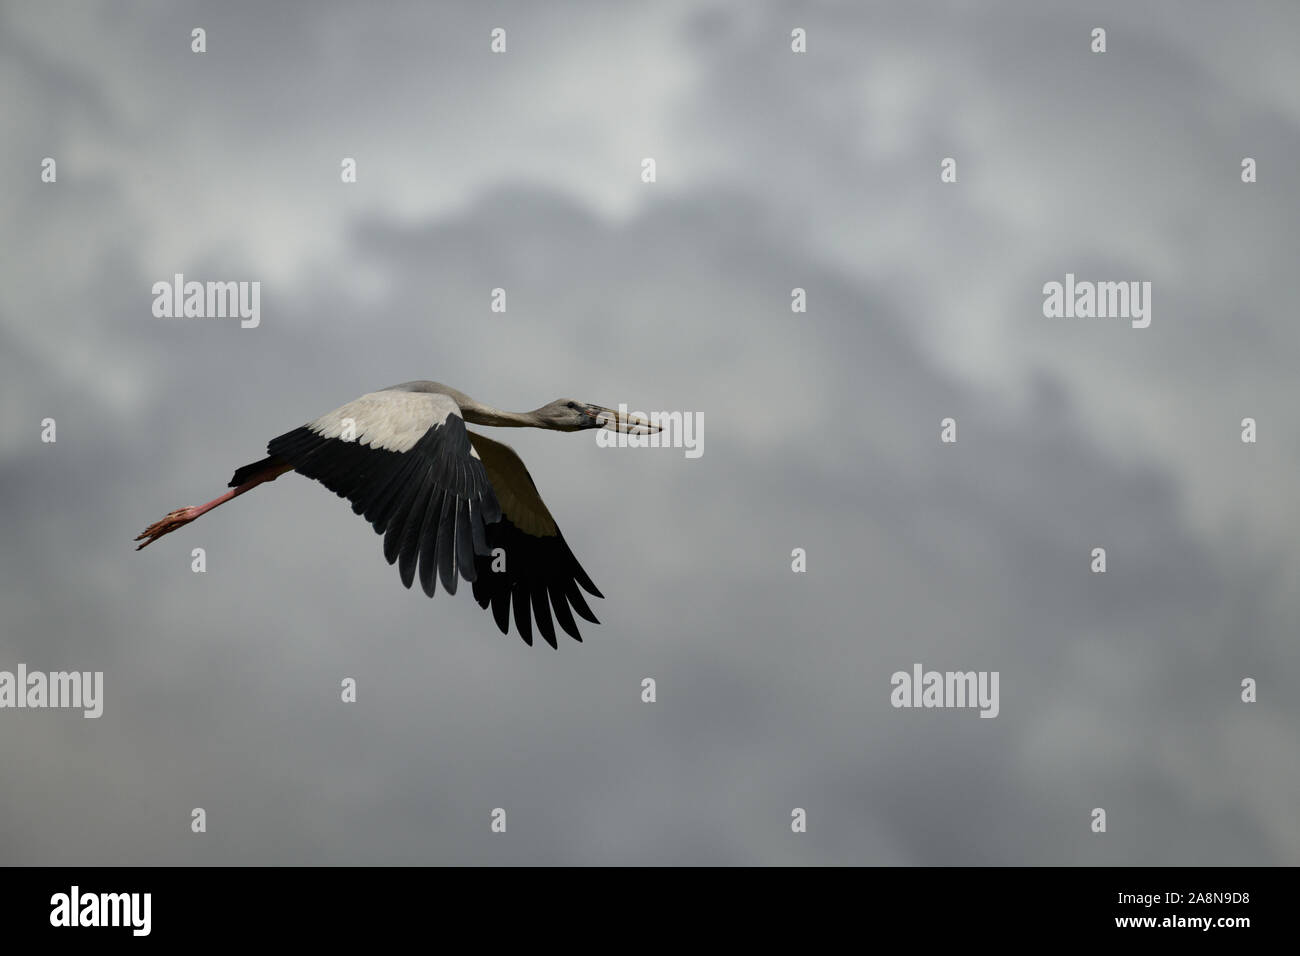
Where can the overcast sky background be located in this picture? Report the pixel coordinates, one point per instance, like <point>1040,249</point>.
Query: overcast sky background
<point>775,170</point>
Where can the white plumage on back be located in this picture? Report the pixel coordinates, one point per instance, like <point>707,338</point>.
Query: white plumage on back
<point>393,421</point>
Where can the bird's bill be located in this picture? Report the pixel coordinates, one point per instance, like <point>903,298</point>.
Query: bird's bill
<point>621,421</point>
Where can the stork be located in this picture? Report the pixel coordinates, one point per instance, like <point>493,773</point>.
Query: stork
<point>449,502</point>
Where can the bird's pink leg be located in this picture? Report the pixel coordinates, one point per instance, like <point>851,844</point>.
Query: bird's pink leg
<point>183,516</point>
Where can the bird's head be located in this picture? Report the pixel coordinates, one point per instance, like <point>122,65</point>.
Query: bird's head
<point>568,415</point>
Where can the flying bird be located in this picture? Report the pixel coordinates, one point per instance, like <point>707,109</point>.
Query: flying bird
<point>448,501</point>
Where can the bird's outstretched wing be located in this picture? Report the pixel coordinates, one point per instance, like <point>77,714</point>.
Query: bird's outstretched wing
<point>404,461</point>
<point>534,570</point>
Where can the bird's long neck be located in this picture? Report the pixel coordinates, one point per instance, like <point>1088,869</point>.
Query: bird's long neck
<point>476,413</point>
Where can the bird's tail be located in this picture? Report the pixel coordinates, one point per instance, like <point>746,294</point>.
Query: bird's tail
<point>248,472</point>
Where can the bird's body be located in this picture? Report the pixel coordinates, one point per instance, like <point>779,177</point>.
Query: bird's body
<point>449,502</point>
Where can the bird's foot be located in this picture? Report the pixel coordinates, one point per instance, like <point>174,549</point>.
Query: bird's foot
<point>174,520</point>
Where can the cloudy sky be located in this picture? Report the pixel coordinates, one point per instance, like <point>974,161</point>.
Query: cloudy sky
<point>775,170</point>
